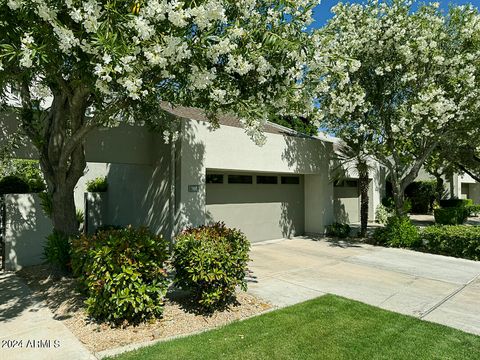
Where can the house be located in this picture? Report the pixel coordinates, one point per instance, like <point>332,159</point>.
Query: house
<point>279,190</point>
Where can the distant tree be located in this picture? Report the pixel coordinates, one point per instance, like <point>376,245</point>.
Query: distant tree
<point>300,124</point>
<point>405,78</point>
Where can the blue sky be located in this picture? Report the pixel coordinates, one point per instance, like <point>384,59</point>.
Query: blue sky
<point>322,12</point>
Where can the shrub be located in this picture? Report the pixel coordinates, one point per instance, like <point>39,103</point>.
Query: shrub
<point>459,241</point>
<point>389,204</point>
<point>450,215</point>
<point>13,185</point>
<point>338,230</point>
<point>382,214</point>
<point>449,203</point>
<point>27,170</point>
<point>421,195</point>
<point>123,273</point>
<point>473,210</point>
<point>399,232</point>
<point>211,261</point>
<point>57,251</point>
<point>99,184</point>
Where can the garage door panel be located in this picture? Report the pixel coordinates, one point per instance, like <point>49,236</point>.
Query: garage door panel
<point>261,211</point>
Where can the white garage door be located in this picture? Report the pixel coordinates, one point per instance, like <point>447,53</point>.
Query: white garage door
<point>263,206</point>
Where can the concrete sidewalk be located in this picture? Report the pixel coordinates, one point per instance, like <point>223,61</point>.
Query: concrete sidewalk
<point>28,329</point>
<point>431,287</point>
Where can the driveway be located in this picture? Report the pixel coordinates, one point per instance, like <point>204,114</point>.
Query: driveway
<point>431,287</point>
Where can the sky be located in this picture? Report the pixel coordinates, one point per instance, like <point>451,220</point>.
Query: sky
<point>322,12</point>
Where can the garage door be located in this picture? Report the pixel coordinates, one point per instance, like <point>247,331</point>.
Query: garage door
<point>263,206</point>
<point>346,201</point>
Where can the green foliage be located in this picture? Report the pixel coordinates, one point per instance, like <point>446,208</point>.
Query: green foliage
<point>211,261</point>
<point>422,195</point>
<point>13,185</point>
<point>451,215</point>
<point>123,273</point>
<point>57,251</point>
<point>460,241</point>
<point>449,203</point>
<point>399,232</point>
<point>46,203</point>
<point>389,204</point>
<point>299,124</point>
<point>27,170</point>
<point>338,230</point>
<point>382,214</point>
<point>473,210</point>
<point>99,184</point>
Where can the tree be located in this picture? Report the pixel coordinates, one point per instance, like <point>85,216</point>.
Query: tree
<point>350,154</point>
<point>76,65</point>
<point>404,79</point>
<point>302,125</point>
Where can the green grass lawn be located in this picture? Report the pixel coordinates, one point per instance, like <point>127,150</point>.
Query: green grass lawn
<point>328,327</point>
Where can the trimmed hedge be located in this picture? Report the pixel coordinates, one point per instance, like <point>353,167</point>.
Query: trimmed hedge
<point>123,273</point>
<point>473,210</point>
<point>451,215</point>
<point>211,261</point>
<point>459,241</point>
<point>449,203</point>
<point>13,185</point>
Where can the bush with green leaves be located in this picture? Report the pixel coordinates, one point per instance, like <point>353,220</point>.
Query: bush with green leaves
<point>451,215</point>
<point>398,232</point>
<point>123,273</point>
<point>473,210</point>
<point>422,196</point>
<point>57,251</point>
<point>98,184</point>
<point>27,170</point>
<point>211,261</point>
<point>452,203</point>
<point>460,241</point>
<point>382,214</point>
<point>338,230</point>
<point>13,185</point>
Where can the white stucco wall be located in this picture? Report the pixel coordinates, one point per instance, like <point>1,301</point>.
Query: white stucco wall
<point>26,230</point>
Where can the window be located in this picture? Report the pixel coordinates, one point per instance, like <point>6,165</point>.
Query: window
<point>214,179</point>
<point>346,183</point>
<point>240,179</point>
<point>267,179</point>
<point>291,180</point>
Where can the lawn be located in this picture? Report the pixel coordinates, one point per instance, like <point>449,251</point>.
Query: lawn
<point>328,327</point>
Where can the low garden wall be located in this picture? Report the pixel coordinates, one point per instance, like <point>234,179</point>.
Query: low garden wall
<point>26,229</point>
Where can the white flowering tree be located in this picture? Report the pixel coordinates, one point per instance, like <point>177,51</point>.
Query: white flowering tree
<point>75,65</point>
<point>399,80</point>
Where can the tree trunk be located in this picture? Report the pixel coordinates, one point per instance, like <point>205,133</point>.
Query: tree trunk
<point>439,189</point>
<point>64,213</point>
<point>362,169</point>
<point>398,196</point>
<point>59,136</point>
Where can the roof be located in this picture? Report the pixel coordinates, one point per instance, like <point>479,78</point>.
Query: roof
<point>233,121</point>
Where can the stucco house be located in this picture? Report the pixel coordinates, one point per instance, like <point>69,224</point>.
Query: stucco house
<point>279,190</point>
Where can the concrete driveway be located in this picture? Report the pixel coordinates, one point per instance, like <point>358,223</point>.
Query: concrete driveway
<point>431,287</point>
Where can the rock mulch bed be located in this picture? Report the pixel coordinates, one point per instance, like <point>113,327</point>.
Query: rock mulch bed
<point>179,318</point>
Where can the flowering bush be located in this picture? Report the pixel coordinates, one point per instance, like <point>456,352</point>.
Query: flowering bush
<point>382,214</point>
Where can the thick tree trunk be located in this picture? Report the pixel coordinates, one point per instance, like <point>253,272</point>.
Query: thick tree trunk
<point>439,188</point>
<point>362,168</point>
<point>59,136</point>
<point>64,213</point>
<point>398,196</point>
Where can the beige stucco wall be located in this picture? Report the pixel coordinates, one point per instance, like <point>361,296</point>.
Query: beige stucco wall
<point>26,230</point>
<point>229,148</point>
<point>262,211</point>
